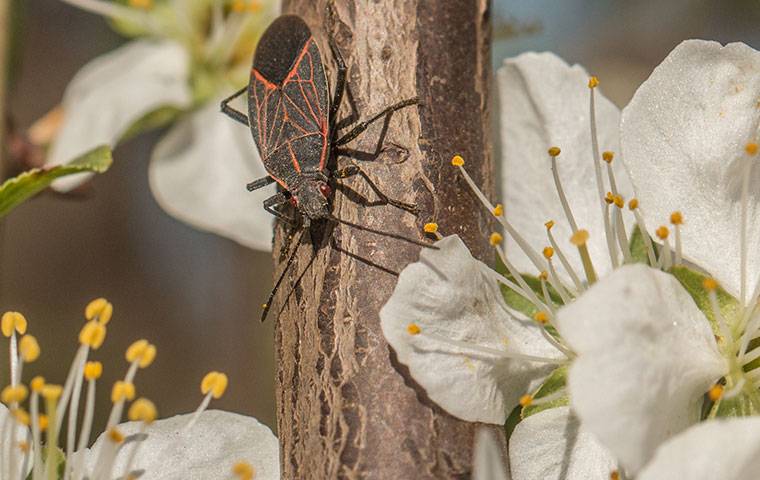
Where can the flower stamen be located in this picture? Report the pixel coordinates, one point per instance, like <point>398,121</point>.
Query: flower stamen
<point>633,205</point>
<point>579,239</point>
<point>458,162</point>
<point>562,258</point>
<point>553,154</point>
<point>593,82</point>
<point>665,261</point>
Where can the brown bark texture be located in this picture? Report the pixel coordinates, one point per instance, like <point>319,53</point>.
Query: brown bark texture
<point>346,407</point>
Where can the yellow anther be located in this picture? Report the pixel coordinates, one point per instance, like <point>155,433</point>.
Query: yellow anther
<point>243,470</point>
<point>37,384</point>
<point>579,238</point>
<point>710,284</point>
<point>495,239</point>
<point>544,275</point>
<point>662,232</point>
<point>548,252</point>
<point>676,218</point>
<point>549,224</point>
<point>633,204</point>
<point>498,210</point>
<point>457,161</point>
<point>593,82</point>
<point>430,227</point>
<point>92,334</point>
<point>413,329</point>
<point>608,156</point>
<point>614,475</point>
<point>141,4</point>
<point>44,421</point>
<point>526,400</point>
<point>93,370</point>
<point>14,394</point>
<point>142,410</point>
<point>541,317</point>
<point>122,391</point>
<point>142,352</point>
<point>751,148</point>
<point>115,435</point>
<point>51,391</point>
<point>214,383</point>
<point>609,199</point>
<point>554,151</point>
<point>22,416</point>
<point>13,321</point>
<point>619,202</point>
<point>715,392</point>
<point>99,309</point>
<point>29,348</point>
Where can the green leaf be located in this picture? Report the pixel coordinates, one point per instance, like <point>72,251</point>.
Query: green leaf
<point>17,189</point>
<point>554,383</point>
<point>638,247</point>
<point>693,281</point>
<point>156,119</point>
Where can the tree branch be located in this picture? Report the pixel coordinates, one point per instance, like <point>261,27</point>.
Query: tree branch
<point>346,408</point>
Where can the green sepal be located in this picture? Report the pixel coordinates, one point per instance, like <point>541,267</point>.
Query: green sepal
<point>741,405</point>
<point>512,420</point>
<point>753,344</point>
<point>517,301</point>
<point>17,189</point>
<point>693,282</point>
<point>638,247</point>
<point>555,382</point>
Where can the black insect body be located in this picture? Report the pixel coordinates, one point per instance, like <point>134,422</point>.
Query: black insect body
<point>293,123</point>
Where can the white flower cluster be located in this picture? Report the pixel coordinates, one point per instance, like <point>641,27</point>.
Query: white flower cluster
<point>623,351</point>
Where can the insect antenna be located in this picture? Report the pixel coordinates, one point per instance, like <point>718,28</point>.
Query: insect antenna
<point>385,234</point>
<point>277,284</point>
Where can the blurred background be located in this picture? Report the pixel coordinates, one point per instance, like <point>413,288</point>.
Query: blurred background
<point>196,295</point>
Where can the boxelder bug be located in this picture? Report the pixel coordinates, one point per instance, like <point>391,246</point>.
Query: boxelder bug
<point>294,125</point>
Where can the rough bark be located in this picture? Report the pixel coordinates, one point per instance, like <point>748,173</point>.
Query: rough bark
<point>346,407</point>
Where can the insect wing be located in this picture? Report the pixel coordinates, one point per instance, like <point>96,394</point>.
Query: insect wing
<point>288,105</point>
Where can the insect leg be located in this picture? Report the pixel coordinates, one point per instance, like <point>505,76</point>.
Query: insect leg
<point>354,169</point>
<point>259,183</point>
<point>340,83</point>
<point>277,284</point>
<point>231,112</point>
<point>271,204</point>
<point>362,126</point>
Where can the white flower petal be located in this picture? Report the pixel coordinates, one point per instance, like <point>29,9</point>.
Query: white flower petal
<point>551,445</point>
<point>545,103</point>
<point>724,449</point>
<point>488,461</point>
<point>198,174</point>
<point>683,137</point>
<point>112,92</point>
<point>646,355</point>
<point>207,450</point>
<point>450,294</point>
<point>22,434</point>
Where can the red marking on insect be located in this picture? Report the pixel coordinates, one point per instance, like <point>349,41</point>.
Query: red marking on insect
<point>325,190</point>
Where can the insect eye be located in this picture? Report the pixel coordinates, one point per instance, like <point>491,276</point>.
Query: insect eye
<point>294,201</point>
<point>325,190</point>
